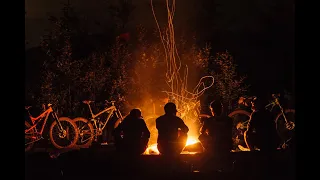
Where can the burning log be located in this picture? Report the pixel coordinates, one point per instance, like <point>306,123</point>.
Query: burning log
<point>193,145</point>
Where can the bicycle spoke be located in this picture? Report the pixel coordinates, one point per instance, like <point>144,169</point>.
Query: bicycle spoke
<point>85,131</point>
<point>63,138</point>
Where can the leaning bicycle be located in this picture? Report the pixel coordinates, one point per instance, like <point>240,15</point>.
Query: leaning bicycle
<point>90,130</point>
<point>62,133</point>
<point>284,119</point>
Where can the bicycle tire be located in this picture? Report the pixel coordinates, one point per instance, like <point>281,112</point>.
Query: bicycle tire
<point>31,132</point>
<point>85,125</point>
<point>74,129</point>
<point>240,111</point>
<point>204,116</point>
<point>235,132</point>
<point>280,133</point>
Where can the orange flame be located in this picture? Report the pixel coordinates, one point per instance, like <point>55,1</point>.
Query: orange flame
<point>153,150</point>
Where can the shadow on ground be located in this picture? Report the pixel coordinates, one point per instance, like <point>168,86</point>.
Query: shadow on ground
<point>104,163</point>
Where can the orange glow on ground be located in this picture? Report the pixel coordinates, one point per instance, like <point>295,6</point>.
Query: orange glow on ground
<point>191,140</point>
<point>153,150</point>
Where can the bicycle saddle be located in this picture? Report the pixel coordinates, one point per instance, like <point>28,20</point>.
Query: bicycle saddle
<point>27,107</point>
<point>87,101</point>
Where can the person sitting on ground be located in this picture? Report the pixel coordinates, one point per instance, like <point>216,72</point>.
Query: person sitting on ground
<point>172,131</point>
<point>261,130</point>
<point>132,134</point>
<point>216,131</point>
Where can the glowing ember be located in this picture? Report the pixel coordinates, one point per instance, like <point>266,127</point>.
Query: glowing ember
<point>152,149</point>
<point>191,140</point>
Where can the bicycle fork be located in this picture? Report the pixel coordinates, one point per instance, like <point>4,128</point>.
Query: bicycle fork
<point>61,130</point>
<point>289,125</point>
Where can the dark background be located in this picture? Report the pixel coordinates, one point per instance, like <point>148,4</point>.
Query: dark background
<point>258,33</point>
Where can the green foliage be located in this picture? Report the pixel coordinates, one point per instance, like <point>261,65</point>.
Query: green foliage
<point>94,76</point>
<point>60,73</point>
<point>119,67</point>
<point>228,85</point>
<point>136,74</point>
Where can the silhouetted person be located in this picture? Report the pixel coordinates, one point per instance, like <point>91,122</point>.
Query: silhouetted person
<point>132,134</point>
<point>216,131</point>
<point>261,130</point>
<point>172,131</point>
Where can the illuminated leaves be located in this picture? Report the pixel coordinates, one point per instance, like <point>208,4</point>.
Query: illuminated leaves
<point>228,84</point>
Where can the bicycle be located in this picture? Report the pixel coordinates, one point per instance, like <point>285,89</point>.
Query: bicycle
<point>60,129</point>
<point>285,120</point>
<point>90,130</point>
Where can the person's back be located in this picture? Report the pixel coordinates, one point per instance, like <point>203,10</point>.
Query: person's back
<point>132,134</point>
<point>264,128</point>
<point>261,130</point>
<point>220,131</point>
<point>216,138</point>
<point>170,141</point>
<point>167,126</point>
<point>134,129</point>
<point>263,122</point>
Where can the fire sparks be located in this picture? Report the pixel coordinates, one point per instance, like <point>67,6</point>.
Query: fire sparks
<point>153,150</point>
<point>187,102</point>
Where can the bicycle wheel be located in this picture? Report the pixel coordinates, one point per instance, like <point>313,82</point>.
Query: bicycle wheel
<point>284,133</point>
<point>28,137</point>
<point>239,125</point>
<point>66,139</point>
<point>86,132</point>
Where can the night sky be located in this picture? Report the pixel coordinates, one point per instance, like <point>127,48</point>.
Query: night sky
<point>258,33</point>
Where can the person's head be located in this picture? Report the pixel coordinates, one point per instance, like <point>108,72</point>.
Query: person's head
<point>136,113</point>
<point>216,108</point>
<point>170,108</point>
<point>259,103</point>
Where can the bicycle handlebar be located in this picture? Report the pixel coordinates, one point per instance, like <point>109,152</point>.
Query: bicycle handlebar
<point>43,106</point>
<point>247,100</point>
<point>109,102</point>
<point>87,101</point>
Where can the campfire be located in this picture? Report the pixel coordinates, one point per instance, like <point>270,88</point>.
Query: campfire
<point>187,102</point>
<point>192,140</point>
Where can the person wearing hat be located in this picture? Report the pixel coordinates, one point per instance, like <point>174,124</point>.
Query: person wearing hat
<point>172,131</point>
